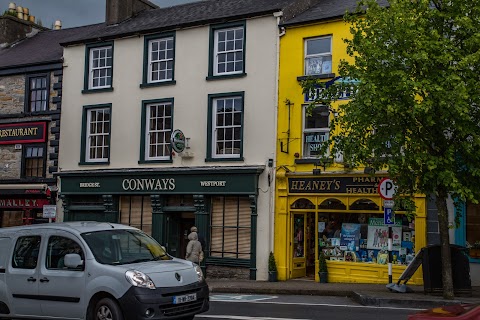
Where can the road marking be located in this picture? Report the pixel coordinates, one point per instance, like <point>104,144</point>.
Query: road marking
<point>243,297</point>
<point>218,298</point>
<point>243,317</point>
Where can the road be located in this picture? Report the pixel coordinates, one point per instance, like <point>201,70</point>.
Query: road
<point>271,307</point>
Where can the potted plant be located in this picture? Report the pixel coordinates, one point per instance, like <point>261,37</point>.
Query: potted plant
<point>323,271</point>
<point>272,268</point>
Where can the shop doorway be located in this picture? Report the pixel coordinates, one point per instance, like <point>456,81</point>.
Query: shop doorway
<point>177,230</point>
<point>303,245</point>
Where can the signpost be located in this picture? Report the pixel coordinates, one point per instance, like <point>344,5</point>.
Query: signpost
<point>387,189</point>
<point>50,212</point>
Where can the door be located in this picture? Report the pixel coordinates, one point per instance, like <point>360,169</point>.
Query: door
<point>22,278</point>
<point>298,245</point>
<point>62,289</point>
<point>173,235</point>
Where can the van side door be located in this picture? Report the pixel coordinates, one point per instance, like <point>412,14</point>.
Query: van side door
<point>22,276</point>
<point>62,289</point>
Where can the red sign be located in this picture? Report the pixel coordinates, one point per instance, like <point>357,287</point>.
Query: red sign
<point>23,203</point>
<point>27,132</point>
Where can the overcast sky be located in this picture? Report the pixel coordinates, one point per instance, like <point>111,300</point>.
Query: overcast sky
<point>72,13</point>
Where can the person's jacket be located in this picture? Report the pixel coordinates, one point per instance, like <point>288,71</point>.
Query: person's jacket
<point>194,247</point>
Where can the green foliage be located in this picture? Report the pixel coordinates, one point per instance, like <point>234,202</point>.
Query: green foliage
<point>322,262</point>
<point>8,13</point>
<point>272,265</point>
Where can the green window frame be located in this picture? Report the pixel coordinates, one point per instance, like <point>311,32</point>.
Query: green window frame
<point>225,126</point>
<point>159,60</point>
<point>96,136</point>
<point>98,60</point>
<point>227,51</point>
<point>162,119</point>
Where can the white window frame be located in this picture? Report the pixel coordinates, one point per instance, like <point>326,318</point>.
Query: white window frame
<point>166,132</point>
<point>215,129</point>
<point>105,67</point>
<point>217,53</point>
<point>160,61</point>
<point>105,135</point>
<point>324,133</point>
<point>318,58</point>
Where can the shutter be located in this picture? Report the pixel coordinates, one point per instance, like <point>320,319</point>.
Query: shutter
<point>133,214</point>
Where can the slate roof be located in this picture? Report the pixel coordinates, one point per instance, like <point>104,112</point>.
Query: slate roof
<point>181,16</point>
<point>42,48</point>
<point>326,9</point>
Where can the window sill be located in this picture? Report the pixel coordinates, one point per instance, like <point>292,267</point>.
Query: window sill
<point>155,161</point>
<point>84,163</point>
<point>226,76</point>
<point>240,159</point>
<point>157,84</point>
<point>88,91</point>
<point>315,161</point>
<point>316,76</point>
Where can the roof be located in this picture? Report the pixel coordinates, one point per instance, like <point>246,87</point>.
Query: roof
<point>181,16</point>
<point>76,227</point>
<point>42,48</point>
<point>326,9</point>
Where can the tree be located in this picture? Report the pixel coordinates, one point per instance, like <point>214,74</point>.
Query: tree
<point>414,107</point>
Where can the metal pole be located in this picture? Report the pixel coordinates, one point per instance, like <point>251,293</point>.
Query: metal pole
<point>390,255</point>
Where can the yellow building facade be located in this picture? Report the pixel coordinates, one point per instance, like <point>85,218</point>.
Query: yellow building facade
<point>318,198</point>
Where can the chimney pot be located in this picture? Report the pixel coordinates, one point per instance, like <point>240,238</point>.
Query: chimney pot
<point>58,25</point>
<point>12,7</point>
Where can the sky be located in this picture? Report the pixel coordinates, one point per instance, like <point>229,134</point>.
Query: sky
<point>72,13</point>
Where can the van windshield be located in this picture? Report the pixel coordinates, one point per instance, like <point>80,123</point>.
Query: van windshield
<point>124,246</point>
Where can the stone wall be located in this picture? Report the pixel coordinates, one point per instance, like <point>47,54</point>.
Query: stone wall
<point>10,162</point>
<point>222,272</point>
<point>12,94</point>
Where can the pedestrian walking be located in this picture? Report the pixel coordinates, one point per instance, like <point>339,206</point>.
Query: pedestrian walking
<point>194,248</point>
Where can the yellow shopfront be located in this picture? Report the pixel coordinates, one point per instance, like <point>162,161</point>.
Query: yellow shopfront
<point>342,216</point>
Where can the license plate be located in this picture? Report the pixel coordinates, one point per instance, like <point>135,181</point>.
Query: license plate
<point>184,298</point>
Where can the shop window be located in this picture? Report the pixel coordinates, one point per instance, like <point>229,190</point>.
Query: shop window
<point>302,204</point>
<point>318,56</point>
<point>11,218</point>
<point>136,211</point>
<point>58,247</point>
<point>181,200</point>
<point>332,204</point>
<point>231,227</point>
<point>364,204</point>
<point>315,131</point>
<point>34,158</point>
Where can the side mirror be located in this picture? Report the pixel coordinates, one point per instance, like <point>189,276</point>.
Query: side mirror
<point>72,260</point>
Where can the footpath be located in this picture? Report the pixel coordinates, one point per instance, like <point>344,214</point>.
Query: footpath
<point>365,294</point>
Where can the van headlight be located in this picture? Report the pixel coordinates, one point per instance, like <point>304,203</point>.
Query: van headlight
<point>199,272</point>
<point>139,279</point>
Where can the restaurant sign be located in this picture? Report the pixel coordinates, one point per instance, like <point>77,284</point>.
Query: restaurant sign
<point>348,185</point>
<point>11,203</point>
<point>27,132</point>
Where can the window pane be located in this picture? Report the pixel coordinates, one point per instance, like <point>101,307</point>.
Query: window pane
<point>318,46</point>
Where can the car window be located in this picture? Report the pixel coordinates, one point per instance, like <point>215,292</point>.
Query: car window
<point>25,255</point>
<point>124,246</point>
<point>58,247</point>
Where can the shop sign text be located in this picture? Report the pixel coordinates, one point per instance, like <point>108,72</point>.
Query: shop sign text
<point>22,203</point>
<point>213,183</point>
<point>14,133</point>
<point>349,185</point>
<point>148,184</point>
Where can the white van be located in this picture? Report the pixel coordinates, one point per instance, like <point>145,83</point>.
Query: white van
<point>94,271</point>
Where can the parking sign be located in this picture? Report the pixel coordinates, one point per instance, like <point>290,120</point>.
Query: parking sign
<point>388,216</point>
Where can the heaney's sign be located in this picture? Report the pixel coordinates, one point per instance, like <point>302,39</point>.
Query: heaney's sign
<point>350,185</point>
<point>27,132</point>
<point>23,203</point>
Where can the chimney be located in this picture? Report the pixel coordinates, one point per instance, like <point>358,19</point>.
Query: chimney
<point>15,25</point>
<point>121,10</point>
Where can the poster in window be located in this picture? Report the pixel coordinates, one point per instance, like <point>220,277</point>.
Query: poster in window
<point>350,236</point>
<point>378,234</point>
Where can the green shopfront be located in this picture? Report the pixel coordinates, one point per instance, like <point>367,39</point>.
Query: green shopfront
<point>165,203</point>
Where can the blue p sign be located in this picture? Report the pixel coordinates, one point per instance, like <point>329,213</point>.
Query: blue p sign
<point>388,216</point>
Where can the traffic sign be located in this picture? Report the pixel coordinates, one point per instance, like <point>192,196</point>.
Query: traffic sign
<point>386,188</point>
<point>388,216</point>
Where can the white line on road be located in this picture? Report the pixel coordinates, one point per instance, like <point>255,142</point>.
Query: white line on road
<point>316,304</point>
<point>242,317</point>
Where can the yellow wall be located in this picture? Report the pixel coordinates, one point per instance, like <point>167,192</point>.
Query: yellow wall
<point>291,67</point>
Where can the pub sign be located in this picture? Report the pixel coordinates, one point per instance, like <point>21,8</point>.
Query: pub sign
<point>27,132</point>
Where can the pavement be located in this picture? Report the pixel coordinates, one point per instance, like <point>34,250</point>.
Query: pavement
<point>364,294</point>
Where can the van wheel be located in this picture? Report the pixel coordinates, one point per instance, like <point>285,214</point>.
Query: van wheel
<point>107,309</point>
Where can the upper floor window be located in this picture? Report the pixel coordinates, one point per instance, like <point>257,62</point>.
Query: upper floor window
<point>228,51</point>
<point>96,134</point>
<point>100,67</point>
<point>315,131</point>
<point>318,56</point>
<point>158,129</point>
<point>34,161</point>
<point>38,93</point>
<point>226,126</point>
<point>160,60</point>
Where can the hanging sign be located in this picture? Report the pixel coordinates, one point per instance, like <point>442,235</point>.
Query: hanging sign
<point>177,140</point>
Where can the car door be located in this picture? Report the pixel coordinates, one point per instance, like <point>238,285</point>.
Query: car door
<point>22,276</point>
<point>62,289</point>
